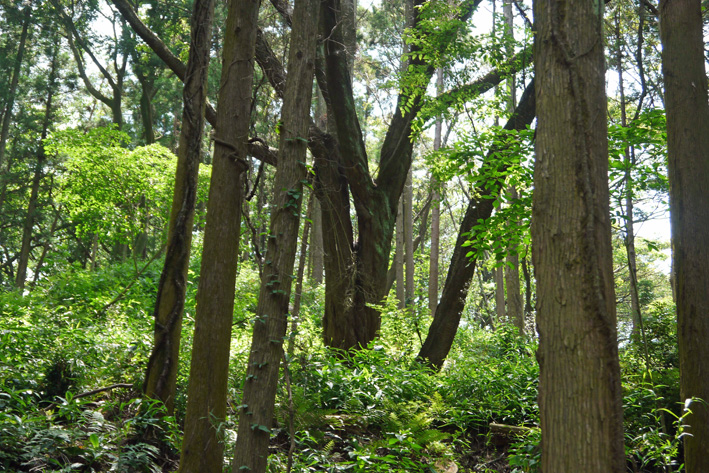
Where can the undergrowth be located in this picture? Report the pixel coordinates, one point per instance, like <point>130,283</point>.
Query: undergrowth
<point>367,411</point>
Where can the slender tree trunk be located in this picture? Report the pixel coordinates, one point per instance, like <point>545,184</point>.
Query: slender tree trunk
<point>163,364</point>
<point>462,268</point>
<point>202,450</point>
<point>580,399</point>
<point>683,67</point>
<point>435,214</point>
<point>515,309</point>
<point>629,194</point>
<point>12,91</point>
<point>500,310</point>
<point>400,257</point>
<point>24,258</point>
<point>257,405</point>
<point>316,246</point>
<point>297,297</point>
<point>409,238</point>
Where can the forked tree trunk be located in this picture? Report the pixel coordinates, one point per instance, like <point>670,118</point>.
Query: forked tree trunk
<point>202,450</point>
<point>161,373</point>
<point>683,66</point>
<point>257,405</point>
<point>580,398</point>
<point>357,271</point>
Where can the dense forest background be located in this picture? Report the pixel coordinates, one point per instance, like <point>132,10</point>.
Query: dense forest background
<point>346,188</point>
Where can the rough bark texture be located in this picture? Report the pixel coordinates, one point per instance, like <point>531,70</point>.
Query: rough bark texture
<point>683,66</point>
<point>161,373</point>
<point>461,270</point>
<point>579,388</point>
<point>257,405</point>
<point>202,450</point>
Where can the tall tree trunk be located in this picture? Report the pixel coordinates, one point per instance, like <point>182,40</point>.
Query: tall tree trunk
<point>515,309</point>
<point>500,310</point>
<point>206,395</point>
<point>462,268</point>
<point>257,405</point>
<point>357,271</point>
<point>629,193</point>
<point>435,214</point>
<point>161,373</point>
<point>12,91</point>
<point>408,208</point>
<point>399,258</point>
<point>24,258</point>
<point>683,67</point>
<point>316,245</point>
<point>580,399</point>
<point>298,296</point>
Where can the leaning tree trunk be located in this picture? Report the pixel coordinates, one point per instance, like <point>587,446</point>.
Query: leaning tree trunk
<point>257,405</point>
<point>161,373</point>
<point>202,450</point>
<point>580,398</point>
<point>462,268</point>
<point>683,66</point>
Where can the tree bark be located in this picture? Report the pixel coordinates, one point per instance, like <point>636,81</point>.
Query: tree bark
<point>202,450</point>
<point>580,398</point>
<point>683,67</point>
<point>357,272</point>
<point>161,373</point>
<point>316,245</point>
<point>12,91</point>
<point>462,268</point>
<point>434,257</point>
<point>515,309</point>
<point>24,258</point>
<point>408,206</point>
<point>399,258</point>
<point>257,405</point>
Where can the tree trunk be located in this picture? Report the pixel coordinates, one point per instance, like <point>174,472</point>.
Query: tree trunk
<point>462,268</point>
<point>435,214</point>
<point>357,272</point>
<point>257,405</point>
<point>12,91</point>
<point>399,258</point>
<point>24,258</point>
<point>515,309</point>
<point>202,450</point>
<point>297,297</point>
<point>500,310</point>
<point>409,238</point>
<point>316,245</point>
<point>161,373</point>
<point>683,67</point>
<point>580,398</point>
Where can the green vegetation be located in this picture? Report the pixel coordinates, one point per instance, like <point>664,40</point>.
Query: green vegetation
<point>373,410</point>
